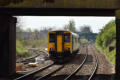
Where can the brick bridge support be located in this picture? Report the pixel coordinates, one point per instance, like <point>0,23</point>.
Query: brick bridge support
<point>7,45</point>
<point>117,13</point>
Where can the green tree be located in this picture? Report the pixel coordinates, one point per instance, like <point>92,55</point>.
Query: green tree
<point>70,26</point>
<point>106,35</point>
<point>19,29</point>
<point>106,39</point>
<point>85,29</point>
<point>36,34</point>
<point>28,30</point>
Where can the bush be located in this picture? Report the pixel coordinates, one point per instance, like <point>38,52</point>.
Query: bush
<point>107,35</point>
<point>20,47</point>
<point>34,45</point>
<point>106,38</point>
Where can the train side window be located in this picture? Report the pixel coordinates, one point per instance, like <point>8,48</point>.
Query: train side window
<point>67,38</point>
<point>51,37</point>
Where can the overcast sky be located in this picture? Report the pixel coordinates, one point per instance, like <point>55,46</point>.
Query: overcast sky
<point>58,22</point>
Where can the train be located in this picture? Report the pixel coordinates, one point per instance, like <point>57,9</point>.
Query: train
<point>62,45</point>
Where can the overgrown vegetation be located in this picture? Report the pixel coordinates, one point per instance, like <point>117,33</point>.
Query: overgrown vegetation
<point>40,44</point>
<point>20,47</point>
<point>23,46</point>
<point>21,50</point>
<point>106,39</point>
<point>26,39</point>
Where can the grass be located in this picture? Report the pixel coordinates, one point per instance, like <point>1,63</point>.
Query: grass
<point>39,44</point>
<point>106,39</point>
<point>23,46</point>
<point>20,47</point>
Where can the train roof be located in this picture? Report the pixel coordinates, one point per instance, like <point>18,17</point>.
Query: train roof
<point>66,31</point>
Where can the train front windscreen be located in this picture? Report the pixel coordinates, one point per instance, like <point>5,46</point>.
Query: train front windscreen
<point>67,38</point>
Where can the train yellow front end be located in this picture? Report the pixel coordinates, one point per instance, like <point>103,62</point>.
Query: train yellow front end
<point>60,45</point>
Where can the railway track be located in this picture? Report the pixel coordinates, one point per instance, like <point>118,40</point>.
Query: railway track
<point>80,66</point>
<point>26,61</point>
<point>47,75</point>
<point>35,75</point>
<point>96,66</point>
<point>33,72</point>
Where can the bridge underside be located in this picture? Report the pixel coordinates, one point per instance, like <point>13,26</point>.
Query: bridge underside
<point>57,12</point>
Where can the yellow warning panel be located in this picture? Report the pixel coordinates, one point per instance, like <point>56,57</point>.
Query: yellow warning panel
<point>59,43</point>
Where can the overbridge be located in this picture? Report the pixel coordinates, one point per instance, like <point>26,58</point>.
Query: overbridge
<point>10,8</point>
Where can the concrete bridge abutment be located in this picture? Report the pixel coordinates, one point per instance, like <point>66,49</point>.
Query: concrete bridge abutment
<point>7,45</point>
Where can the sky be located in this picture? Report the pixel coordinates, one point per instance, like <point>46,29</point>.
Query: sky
<point>58,22</point>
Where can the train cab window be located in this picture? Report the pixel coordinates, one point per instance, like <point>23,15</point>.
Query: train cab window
<point>51,37</point>
<point>67,38</point>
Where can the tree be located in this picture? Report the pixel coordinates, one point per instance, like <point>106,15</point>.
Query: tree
<point>36,34</point>
<point>28,30</point>
<point>85,29</point>
<point>19,29</point>
<point>70,26</point>
<point>19,25</point>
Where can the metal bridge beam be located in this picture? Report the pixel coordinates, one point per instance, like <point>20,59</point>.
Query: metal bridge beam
<point>118,45</point>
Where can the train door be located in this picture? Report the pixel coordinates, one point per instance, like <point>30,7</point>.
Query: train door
<point>59,43</point>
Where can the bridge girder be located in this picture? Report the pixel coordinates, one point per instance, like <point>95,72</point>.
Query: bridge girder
<point>90,4</point>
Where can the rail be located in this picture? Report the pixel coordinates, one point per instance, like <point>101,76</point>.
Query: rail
<point>80,66</point>
<point>33,72</point>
